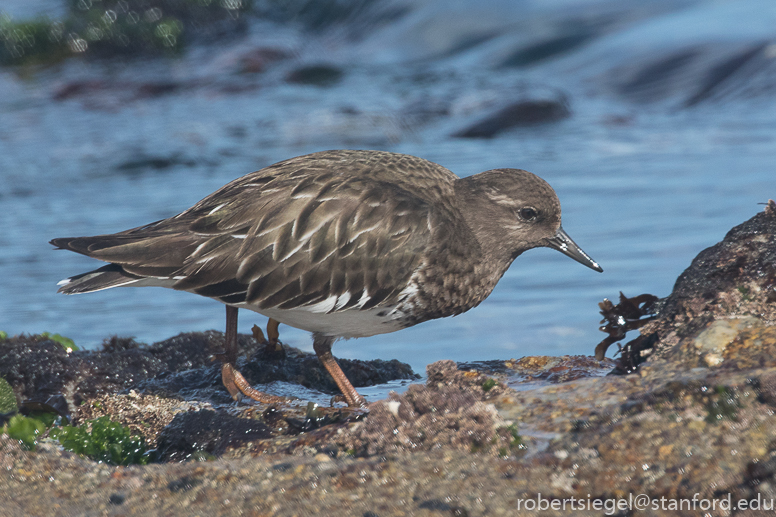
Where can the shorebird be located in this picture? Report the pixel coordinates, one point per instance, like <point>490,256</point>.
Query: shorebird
<point>343,244</point>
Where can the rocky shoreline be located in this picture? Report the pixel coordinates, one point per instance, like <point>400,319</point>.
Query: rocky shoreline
<point>694,419</point>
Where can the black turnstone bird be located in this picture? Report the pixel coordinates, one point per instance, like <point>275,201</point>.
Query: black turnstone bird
<point>339,243</point>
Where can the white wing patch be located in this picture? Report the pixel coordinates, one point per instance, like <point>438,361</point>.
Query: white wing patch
<point>216,209</point>
<point>342,300</point>
<point>323,306</point>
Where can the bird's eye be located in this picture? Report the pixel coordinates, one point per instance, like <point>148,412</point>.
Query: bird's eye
<point>528,214</point>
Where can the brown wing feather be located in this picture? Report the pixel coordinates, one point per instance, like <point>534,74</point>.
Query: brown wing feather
<point>338,245</point>
<point>295,233</point>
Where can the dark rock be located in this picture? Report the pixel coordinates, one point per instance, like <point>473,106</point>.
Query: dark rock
<point>267,365</point>
<point>316,75</point>
<point>157,89</point>
<point>259,59</point>
<point>118,344</point>
<point>202,383</point>
<point>520,114</point>
<point>153,162</point>
<point>41,371</point>
<point>746,254</point>
<point>209,431</point>
<point>78,89</point>
<point>36,367</point>
<point>727,289</point>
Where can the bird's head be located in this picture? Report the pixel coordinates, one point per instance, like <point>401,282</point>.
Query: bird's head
<point>512,210</point>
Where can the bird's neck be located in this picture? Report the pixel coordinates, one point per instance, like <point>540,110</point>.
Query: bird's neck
<point>482,218</point>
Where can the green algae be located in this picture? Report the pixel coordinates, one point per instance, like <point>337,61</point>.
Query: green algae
<point>108,28</point>
<point>489,384</point>
<point>67,343</point>
<point>104,441</point>
<point>723,406</point>
<point>7,398</point>
<point>25,429</point>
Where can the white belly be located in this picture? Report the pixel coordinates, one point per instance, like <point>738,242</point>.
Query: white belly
<point>348,324</point>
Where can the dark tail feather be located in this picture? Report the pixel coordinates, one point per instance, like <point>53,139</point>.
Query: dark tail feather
<point>105,277</point>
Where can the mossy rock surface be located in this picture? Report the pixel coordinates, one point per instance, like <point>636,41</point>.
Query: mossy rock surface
<point>7,398</point>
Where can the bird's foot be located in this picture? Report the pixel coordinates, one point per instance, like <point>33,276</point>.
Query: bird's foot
<point>236,385</point>
<point>273,345</point>
<point>357,403</point>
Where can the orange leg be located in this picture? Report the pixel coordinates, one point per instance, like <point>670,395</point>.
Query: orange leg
<point>322,347</point>
<point>272,331</point>
<point>233,380</point>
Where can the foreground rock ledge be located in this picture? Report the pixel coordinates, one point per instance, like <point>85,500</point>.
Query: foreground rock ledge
<point>697,417</point>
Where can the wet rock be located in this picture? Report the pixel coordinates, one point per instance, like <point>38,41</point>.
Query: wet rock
<point>535,368</point>
<point>41,370</point>
<point>721,310</point>
<point>316,75</point>
<point>257,60</point>
<point>75,89</point>
<point>736,275</point>
<point>111,95</point>
<point>448,412</point>
<point>295,366</point>
<point>206,431</point>
<point>422,419</point>
<point>142,163</point>
<point>560,369</point>
<point>520,114</point>
<point>482,384</point>
<point>202,384</point>
<point>145,415</point>
<point>698,421</point>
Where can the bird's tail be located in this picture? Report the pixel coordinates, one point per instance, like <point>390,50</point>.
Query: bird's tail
<point>112,275</point>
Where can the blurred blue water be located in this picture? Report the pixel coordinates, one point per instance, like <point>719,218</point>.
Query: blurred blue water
<point>646,180</point>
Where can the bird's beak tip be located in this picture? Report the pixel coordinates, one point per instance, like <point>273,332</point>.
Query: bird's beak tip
<point>563,243</point>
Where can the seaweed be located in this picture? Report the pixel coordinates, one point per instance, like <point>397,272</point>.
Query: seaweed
<point>107,28</point>
<point>25,429</point>
<point>629,314</point>
<point>67,343</point>
<point>105,441</point>
<point>489,384</point>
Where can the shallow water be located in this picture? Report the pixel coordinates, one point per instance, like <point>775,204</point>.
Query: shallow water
<point>647,178</point>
